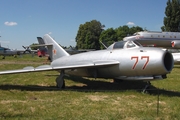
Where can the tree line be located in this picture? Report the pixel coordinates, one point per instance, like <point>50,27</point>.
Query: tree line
<point>90,33</point>
<point>172,18</point>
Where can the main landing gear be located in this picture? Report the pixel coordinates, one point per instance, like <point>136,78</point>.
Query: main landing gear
<point>146,87</point>
<point>60,81</point>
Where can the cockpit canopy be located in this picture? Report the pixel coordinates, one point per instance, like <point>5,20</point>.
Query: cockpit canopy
<point>124,45</point>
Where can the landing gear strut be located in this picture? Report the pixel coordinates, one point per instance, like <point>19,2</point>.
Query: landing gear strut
<point>60,81</point>
<point>146,87</point>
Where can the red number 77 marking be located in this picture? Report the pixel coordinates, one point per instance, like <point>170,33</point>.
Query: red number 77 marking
<point>147,60</point>
<point>134,57</point>
<point>137,60</point>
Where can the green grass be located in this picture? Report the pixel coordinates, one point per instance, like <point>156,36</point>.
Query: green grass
<point>34,96</point>
<point>24,58</point>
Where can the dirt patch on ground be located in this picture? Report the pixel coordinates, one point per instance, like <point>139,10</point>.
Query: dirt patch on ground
<point>97,98</point>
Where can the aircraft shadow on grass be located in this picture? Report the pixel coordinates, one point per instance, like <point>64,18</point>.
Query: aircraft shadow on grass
<point>177,66</point>
<point>94,86</point>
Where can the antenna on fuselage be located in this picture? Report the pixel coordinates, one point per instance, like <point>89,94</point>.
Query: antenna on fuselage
<point>103,44</point>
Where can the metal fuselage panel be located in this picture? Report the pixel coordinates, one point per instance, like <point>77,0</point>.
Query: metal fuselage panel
<point>155,42</point>
<point>133,62</point>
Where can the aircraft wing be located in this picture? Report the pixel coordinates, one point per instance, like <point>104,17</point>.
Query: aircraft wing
<point>87,64</point>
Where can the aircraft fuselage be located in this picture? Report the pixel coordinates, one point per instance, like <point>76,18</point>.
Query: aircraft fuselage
<point>157,39</point>
<point>132,62</point>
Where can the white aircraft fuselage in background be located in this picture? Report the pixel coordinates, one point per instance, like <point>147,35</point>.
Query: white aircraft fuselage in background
<point>157,39</point>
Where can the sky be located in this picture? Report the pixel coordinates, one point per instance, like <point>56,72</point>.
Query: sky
<point>22,21</point>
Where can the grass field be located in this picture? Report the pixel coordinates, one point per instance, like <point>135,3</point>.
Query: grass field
<point>34,96</point>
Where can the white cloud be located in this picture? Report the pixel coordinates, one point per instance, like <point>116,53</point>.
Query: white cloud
<point>130,23</point>
<point>10,23</point>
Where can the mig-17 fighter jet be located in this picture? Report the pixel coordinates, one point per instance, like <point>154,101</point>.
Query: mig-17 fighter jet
<point>124,60</point>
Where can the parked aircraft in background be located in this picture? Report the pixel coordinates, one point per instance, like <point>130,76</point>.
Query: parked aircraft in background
<point>28,50</point>
<point>157,39</point>
<point>122,60</point>
<point>176,57</point>
<point>5,51</point>
<point>8,52</point>
<point>43,50</point>
<point>72,50</point>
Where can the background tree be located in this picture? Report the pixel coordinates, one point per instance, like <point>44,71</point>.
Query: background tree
<point>126,31</point>
<point>172,19</point>
<point>122,32</point>
<point>133,30</point>
<point>88,35</point>
<point>111,35</point>
<point>108,37</point>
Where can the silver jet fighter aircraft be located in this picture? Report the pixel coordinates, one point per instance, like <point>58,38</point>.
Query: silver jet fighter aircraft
<point>156,39</point>
<point>122,60</point>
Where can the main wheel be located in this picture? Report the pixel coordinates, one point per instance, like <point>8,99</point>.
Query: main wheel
<point>60,83</point>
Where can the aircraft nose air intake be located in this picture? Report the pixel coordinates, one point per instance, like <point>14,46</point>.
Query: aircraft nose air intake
<point>168,61</point>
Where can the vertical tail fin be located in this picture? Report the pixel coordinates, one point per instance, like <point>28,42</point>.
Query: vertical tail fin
<point>40,40</point>
<point>54,49</point>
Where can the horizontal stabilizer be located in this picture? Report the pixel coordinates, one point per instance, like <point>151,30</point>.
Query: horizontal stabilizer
<point>41,45</point>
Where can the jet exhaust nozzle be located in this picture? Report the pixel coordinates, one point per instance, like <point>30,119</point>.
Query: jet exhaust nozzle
<point>168,61</point>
